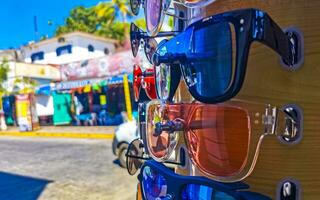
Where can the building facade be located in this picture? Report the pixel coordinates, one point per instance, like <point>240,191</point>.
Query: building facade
<point>68,48</point>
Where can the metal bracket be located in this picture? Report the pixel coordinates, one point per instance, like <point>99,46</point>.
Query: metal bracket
<point>293,125</point>
<point>297,48</point>
<point>288,189</point>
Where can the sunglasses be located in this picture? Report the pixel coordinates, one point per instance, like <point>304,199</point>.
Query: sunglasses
<point>143,80</point>
<point>155,10</point>
<point>223,140</point>
<point>147,81</point>
<point>159,182</point>
<point>137,153</point>
<point>139,37</point>
<point>212,53</point>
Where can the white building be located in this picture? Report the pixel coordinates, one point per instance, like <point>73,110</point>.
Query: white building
<point>18,70</point>
<point>41,74</point>
<point>67,48</point>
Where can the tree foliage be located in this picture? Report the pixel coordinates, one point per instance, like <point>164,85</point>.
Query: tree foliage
<point>100,20</point>
<point>4,69</point>
<point>106,19</point>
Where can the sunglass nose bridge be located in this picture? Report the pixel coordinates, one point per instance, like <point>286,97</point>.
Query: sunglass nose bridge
<point>169,126</point>
<point>269,120</point>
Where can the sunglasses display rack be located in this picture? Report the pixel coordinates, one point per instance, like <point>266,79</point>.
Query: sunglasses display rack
<point>217,90</point>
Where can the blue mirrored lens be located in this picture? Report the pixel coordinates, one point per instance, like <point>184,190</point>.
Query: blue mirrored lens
<point>154,185</point>
<point>208,71</point>
<point>202,192</point>
<point>178,44</point>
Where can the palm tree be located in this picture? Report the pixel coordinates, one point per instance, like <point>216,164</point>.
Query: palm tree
<point>112,9</point>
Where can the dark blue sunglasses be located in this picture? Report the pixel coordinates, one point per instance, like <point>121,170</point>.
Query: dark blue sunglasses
<point>213,52</point>
<point>159,182</point>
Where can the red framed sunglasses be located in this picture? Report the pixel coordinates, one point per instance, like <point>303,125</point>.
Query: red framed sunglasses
<point>143,80</point>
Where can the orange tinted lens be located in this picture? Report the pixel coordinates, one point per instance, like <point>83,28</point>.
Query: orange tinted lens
<point>218,139</point>
<point>161,145</point>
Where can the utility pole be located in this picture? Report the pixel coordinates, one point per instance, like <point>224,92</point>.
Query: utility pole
<point>35,25</point>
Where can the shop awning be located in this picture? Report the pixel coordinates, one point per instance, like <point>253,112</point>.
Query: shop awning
<point>67,85</point>
<point>107,66</point>
<point>44,90</point>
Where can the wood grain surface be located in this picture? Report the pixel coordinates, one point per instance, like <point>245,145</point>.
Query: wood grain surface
<point>268,82</point>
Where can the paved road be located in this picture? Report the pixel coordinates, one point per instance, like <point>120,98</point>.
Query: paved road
<point>39,168</point>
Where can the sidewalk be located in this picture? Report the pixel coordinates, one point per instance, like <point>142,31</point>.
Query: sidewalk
<point>93,132</point>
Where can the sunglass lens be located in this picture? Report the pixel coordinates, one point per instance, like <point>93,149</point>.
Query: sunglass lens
<point>149,84</point>
<point>163,80</point>
<point>209,74</point>
<point>135,5</point>
<point>218,139</point>
<point>135,151</point>
<point>154,185</point>
<point>150,47</point>
<point>153,13</point>
<point>161,144</point>
<point>134,39</point>
<point>195,191</point>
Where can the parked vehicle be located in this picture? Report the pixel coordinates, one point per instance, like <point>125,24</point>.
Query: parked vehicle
<point>124,135</point>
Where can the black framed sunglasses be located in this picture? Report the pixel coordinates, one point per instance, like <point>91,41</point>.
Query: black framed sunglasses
<point>159,182</point>
<point>212,53</point>
<point>138,37</point>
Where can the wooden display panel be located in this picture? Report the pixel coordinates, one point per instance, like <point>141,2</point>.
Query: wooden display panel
<point>268,82</point>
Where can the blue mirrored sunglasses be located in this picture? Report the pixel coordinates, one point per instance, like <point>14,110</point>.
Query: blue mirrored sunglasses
<point>212,53</point>
<point>160,182</point>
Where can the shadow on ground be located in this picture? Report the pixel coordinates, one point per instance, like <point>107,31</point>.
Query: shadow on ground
<point>17,187</point>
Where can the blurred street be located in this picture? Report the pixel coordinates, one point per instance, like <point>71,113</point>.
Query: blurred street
<point>89,132</point>
<point>53,168</point>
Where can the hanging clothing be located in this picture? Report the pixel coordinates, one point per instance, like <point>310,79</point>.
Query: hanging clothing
<point>62,109</point>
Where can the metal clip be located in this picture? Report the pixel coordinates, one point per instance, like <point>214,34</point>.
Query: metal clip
<point>291,124</point>
<point>286,190</point>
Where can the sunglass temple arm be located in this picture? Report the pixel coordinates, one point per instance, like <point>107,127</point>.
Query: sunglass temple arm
<point>178,125</point>
<point>269,33</point>
<point>148,158</point>
<point>160,34</point>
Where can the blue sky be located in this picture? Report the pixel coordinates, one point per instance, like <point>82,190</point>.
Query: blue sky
<point>17,16</point>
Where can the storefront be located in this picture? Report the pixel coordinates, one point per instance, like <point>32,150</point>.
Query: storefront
<point>94,101</point>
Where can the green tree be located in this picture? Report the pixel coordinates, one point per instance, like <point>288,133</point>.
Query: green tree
<point>4,69</point>
<point>80,19</point>
<point>113,9</point>
<point>28,84</point>
<point>100,20</point>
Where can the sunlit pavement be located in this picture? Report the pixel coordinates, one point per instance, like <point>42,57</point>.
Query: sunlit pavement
<point>91,132</point>
<point>53,168</point>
